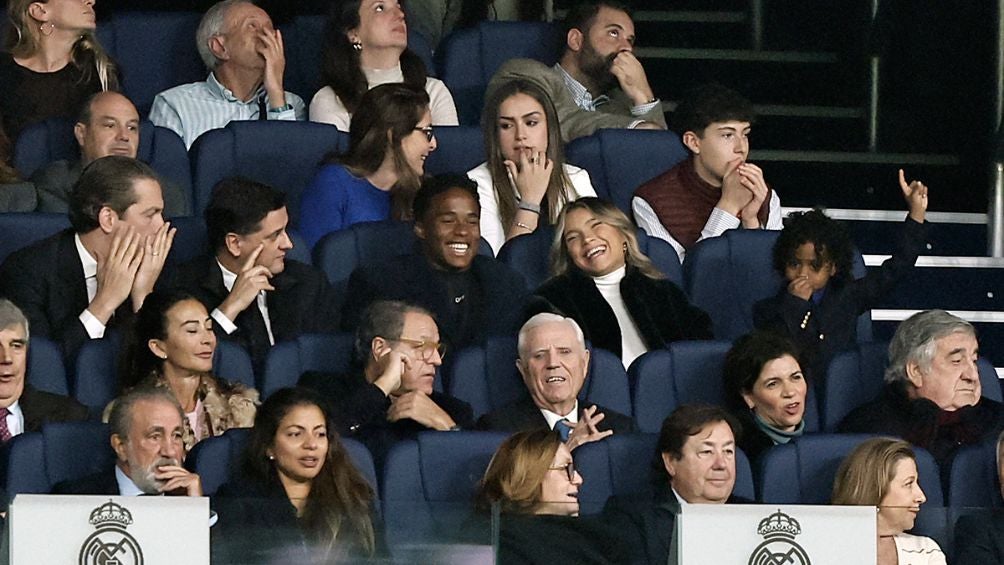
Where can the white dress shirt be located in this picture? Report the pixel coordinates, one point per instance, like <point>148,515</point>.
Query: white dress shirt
<point>15,419</point>
<point>95,329</point>
<point>553,418</point>
<point>227,324</point>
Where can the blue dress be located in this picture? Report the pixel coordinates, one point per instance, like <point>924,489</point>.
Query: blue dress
<point>336,199</point>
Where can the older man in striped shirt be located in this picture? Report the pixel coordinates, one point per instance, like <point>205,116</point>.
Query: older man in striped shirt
<point>246,58</point>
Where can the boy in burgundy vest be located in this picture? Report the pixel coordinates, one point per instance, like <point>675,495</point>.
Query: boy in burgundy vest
<point>716,189</point>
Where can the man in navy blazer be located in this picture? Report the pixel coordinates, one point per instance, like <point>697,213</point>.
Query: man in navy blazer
<point>553,361</point>
<point>75,284</point>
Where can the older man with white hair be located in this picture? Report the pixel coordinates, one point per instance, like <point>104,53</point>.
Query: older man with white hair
<point>246,59</point>
<point>553,361</point>
<point>932,396</point>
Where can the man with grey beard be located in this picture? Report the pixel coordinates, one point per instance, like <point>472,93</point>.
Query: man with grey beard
<point>146,430</point>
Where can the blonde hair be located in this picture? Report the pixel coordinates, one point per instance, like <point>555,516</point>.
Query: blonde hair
<point>611,215</point>
<point>23,40</point>
<point>864,476</point>
<point>517,470</point>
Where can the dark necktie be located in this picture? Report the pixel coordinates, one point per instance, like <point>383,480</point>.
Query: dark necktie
<point>564,429</point>
<point>262,108</point>
<point>4,430</point>
<point>257,334</point>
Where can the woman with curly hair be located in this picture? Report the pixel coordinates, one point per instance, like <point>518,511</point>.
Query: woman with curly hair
<point>366,45</point>
<point>171,345</point>
<point>51,62</point>
<point>819,303</point>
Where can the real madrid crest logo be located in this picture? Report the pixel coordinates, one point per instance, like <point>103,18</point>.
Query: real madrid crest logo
<point>779,547</point>
<point>110,544</point>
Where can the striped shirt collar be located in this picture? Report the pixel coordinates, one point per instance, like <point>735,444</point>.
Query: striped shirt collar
<point>583,99</point>
<point>217,89</point>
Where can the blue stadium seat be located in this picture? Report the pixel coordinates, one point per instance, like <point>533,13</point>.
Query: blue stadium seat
<point>429,485</point>
<point>469,57</point>
<point>62,451</point>
<point>21,229</point>
<point>623,465</point>
<point>486,378</point>
<point>802,472</point>
<point>155,51</point>
<point>52,140</point>
<point>972,479</point>
<point>45,367</point>
<point>856,377</point>
<point>96,380</point>
<point>288,360</point>
<point>726,275</point>
<point>282,154</point>
<point>529,255</point>
<point>458,150</point>
<point>621,160</point>
<point>686,372</point>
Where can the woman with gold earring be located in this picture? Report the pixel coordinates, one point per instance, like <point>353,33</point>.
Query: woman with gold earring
<point>51,62</point>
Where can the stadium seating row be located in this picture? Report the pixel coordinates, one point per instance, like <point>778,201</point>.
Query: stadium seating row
<point>486,377</point>
<point>421,476</point>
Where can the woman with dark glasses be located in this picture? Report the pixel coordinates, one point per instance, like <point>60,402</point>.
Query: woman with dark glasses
<point>389,139</point>
<point>533,484</point>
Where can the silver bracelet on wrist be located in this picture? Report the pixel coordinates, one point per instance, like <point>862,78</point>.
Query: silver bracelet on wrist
<point>529,207</point>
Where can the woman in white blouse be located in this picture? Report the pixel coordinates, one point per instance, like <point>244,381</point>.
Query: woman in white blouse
<point>366,45</point>
<point>525,181</point>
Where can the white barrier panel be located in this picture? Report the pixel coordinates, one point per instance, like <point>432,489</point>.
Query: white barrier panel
<point>763,534</point>
<point>126,530</point>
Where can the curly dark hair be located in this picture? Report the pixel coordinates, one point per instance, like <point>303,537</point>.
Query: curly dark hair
<point>831,240</point>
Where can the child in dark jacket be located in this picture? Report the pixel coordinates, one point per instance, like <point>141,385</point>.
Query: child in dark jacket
<point>819,305</point>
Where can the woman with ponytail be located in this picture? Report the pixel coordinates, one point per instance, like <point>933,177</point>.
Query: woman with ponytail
<point>51,62</point>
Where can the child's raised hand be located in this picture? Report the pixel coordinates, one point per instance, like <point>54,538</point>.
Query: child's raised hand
<point>800,287</point>
<point>915,194</point>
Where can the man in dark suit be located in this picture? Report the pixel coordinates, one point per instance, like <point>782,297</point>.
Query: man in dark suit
<point>74,285</point>
<point>553,361</point>
<point>697,450</point>
<point>146,425</point>
<point>254,294</point>
<point>979,537</point>
<point>22,407</point>
<point>391,397</point>
<point>471,296</point>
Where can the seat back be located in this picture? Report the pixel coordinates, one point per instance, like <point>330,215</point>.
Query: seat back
<point>529,254</point>
<point>341,252</point>
<point>76,449</point>
<point>486,378</point>
<point>23,466</point>
<point>155,51</point>
<point>250,149</point>
<point>854,378</point>
<point>458,150</point>
<point>429,485</point>
<point>52,140</point>
<point>309,352</point>
<point>972,479</point>
<point>21,229</point>
<point>469,57</point>
<point>621,160</point>
<point>45,367</point>
<point>628,465</point>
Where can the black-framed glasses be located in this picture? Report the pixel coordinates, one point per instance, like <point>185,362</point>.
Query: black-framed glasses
<point>429,132</point>
<point>569,469</point>
<point>427,347</point>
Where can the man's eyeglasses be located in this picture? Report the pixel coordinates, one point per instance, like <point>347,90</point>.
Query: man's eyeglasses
<point>426,347</point>
<point>429,132</point>
<point>569,468</point>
